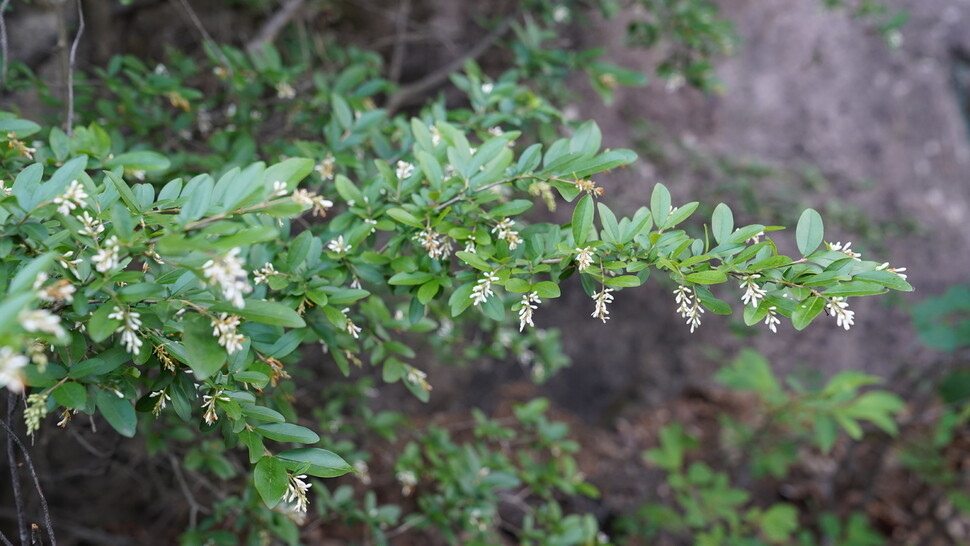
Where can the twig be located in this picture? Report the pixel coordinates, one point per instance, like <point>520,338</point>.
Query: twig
<point>14,478</point>
<point>6,541</point>
<point>406,93</point>
<point>206,36</point>
<point>397,55</point>
<point>274,25</point>
<point>194,506</point>
<point>71,63</point>
<point>33,475</point>
<point>3,42</point>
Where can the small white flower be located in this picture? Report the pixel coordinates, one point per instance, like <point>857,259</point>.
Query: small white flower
<point>772,320</point>
<point>209,404</point>
<point>130,323</point>
<point>325,167</point>
<point>61,290</point>
<point>584,258</point>
<point>309,199</point>
<point>351,328</point>
<point>505,231</point>
<point>285,91</point>
<point>10,366</point>
<point>404,170</point>
<point>337,245</point>
<point>408,481</point>
<point>72,198</point>
<point>363,472</point>
<point>224,329</point>
<point>228,274</point>
<point>415,376</point>
<point>688,306</point>
<point>753,293</point>
<point>526,307</point>
<point>470,247</point>
<point>41,320</point>
<point>106,258</point>
<point>483,289</point>
<point>602,299</point>
<point>4,190</point>
<point>92,226</point>
<point>897,270</point>
<point>437,246</point>
<point>262,275</point>
<point>487,88</point>
<point>839,308</point>
<point>296,491</point>
<point>435,135</point>
<point>844,249</point>
<point>280,189</point>
<point>496,131</point>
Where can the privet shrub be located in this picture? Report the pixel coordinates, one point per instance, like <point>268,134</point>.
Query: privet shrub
<point>156,282</point>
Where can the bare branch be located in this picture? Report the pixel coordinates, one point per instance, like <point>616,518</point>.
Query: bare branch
<point>33,474</point>
<point>397,56</point>
<point>71,65</point>
<point>4,50</point>
<point>205,35</point>
<point>14,478</point>
<point>409,92</point>
<point>275,24</point>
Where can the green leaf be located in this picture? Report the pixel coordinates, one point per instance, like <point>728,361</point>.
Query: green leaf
<point>404,217</point>
<point>288,432</point>
<point>546,289</point>
<point>428,291</point>
<point>119,413</point>
<point>582,220</point>
<point>25,278</point>
<point>517,285</point>
<point>290,171</point>
<point>707,277</point>
<point>681,214</point>
<point>409,279</point>
<point>100,327</point>
<point>323,463</point>
<point>885,278</point>
<point>202,351</point>
<point>779,522</point>
<point>262,413</point>
<point>745,233</point>
<point>271,480</point>
<point>460,299</point>
<point>105,362</point>
<point>71,395</point>
<point>265,312</point>
<point>474,260</point>
<point>608,219</point>
<point>660,204</point>
<point>512,208</point>
<point>142,160</point>
<point>722,223</point>
<point>806,311</point>
<point>809,232</point>
<point>623,281</point>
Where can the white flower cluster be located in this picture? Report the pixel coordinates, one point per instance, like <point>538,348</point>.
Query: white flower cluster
<point>417,377</point>
<point>408,481</point>
<point>228,274</point>
<point>351,328</point>
<point>602,299</point>
<point>224,329</point>
<point>753,293</point>
<point>325,167</point>
<point>209,405</point>
<point>688,306</point>
<point>437,246</point>
<point>61,290</point>
<point>163,399</point>
<point>130,323</point>
<point>310,199</point>
<point>772,320</point>
<point>403,170</point>
<point>262,275</point>
<point>285,91</point>
<point>483,289</point>
<point>296,491</point>
<point>839,308</point>
<point>844,249</point>
<point>92,226</point>
<point>106,258</point>
<point>505,231</point>
<point>10,369</point>
<point>897,270</point>
<point>527,306</point>
<point>74,197</point>
<point>339,246</point>
<point>41,320</point>
<point>584,258</point>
